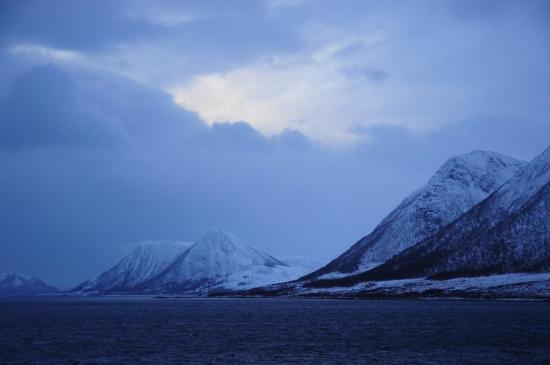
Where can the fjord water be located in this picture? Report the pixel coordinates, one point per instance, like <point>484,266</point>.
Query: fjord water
<point>256,331</point>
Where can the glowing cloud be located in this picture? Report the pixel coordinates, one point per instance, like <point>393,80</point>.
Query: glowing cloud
<point>42,51</point>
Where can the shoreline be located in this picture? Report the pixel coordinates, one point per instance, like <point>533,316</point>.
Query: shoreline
<point>284,297</point>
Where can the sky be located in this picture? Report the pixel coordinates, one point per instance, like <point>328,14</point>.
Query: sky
<point>295,124</point>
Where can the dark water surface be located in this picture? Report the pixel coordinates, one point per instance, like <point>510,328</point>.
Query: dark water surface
<point>256,331</point>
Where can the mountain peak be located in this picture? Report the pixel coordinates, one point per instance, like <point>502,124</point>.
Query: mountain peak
<point>218,235</point>
<point>225,245</point>
<point>477,156</point>
<point>218,240</point>
<point>478,159</point>
<point>479,170</point>
<point>219,258</point>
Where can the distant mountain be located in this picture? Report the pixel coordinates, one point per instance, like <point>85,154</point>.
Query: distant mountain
<point>218,261</point>
<point>145,261</point>
<point>508,232</point>
<point>221,261</point>
<point>17,285</point>
<point>459,184</point>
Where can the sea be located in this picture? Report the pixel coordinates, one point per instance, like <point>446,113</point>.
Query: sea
<point>138,330</point>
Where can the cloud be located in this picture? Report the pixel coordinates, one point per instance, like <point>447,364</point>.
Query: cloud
<point>292,139</point>
<point>316,92</point>
<point>422,67</point>
<point>151,43</point>
<point>46,52</point>
<point>304,93</point>
<point>52,116</point>
<point>161,13</point>
<point>374,75</point>
<point>322,69</point>
<point>274,5</point>
<point>66,24</point>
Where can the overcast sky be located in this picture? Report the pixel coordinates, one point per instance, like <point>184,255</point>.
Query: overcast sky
<point>295,124</point>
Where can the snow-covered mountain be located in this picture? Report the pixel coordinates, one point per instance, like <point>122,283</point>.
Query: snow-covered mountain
<point>221,261</point>
<point>508,232</point>
<point>218,260</point>
<point>145,261</point>
<point>17,285</point>
<point>459,184</point>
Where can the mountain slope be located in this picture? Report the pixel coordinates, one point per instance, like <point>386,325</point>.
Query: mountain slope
<point>507,232</point>
<point>16,285</point>
<point>144,262</point>
<point>221,261</point>
<point>459,184</point>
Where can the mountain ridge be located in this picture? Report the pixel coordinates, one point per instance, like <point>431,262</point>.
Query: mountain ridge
<point>458,184</point>
<point>504,233</point>
<point>216,260</point>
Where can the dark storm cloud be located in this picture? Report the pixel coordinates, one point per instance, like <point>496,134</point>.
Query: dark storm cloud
<point>92,24</point>
<point>292,139</point>
<point>43,110</point>
<point>239,29</point>
<point>236,136</point>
